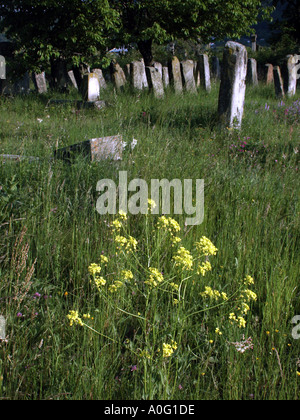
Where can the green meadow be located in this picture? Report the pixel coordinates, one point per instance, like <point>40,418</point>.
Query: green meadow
<point>158,312</point>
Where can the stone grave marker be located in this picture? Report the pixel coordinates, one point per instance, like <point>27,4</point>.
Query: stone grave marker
<point>39,81</point>
<point>90,88</point>
<point>72,78</point>
<point>233,85</point>
<point>95,150</point>
<point>187,71</point>
<point>166,78</point>
<point>2,68</point>
<point>215,68</point>
<point>289,73</point>
<point>278,82</point>
<point>155,82</point>
<point>203,66</point>
<point>101,78</point>
<point>175,74</point>
<point>269,74</point>
<point>252,77</point>
<point>254,42</point>
<point>138,76</point>
<point>117,75</point>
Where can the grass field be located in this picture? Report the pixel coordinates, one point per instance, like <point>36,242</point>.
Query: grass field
<point>155,327</point>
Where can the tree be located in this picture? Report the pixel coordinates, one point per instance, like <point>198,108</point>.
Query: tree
<point>160,21</point>
<point>52,30</point>
<point>290,18</point>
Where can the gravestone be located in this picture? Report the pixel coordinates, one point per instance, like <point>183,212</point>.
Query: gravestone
<point>101,78</point>
<point>203,65</point>
<point>269,74</point>
<point>2,328</point>
<point>159,67</point>
<point>289,74</point>
<point>175,74</point>
<point>166,78</point>
<point>72,78</point>
<point>215,68</point>
<point>155,82</point>
<point>187,71</point>
<point>138,75</point>
<point>278,82</point>
<point>39,81</point>
<point>94,150</point>
<point>197,74</point>
<point>117,75</point>
<point>2,68</point>
<point>252,77</point>
<point>254,42</point>
<point>90,87</point>
<point>233,85</point>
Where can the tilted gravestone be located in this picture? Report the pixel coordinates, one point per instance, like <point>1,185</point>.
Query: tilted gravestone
<point>94,150</point>
<point>72,78</point>
<point>39,81</point>
<point>175,74</point>
<point>252,77</point>
<point>233,85</point>
<point>117,75</point>
<point>90,88</point>
<point>101,78</point>
<point>155,82</point>
<point>278,82</point>
<point>187,71</point>
<point>204,69</point>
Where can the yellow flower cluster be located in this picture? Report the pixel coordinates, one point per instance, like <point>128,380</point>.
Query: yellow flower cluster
<point>204,268</point>
<point>94,269</point>
<point>206,247</point>
<point>155,278</point>
<point>115,286</point>
<point>74,318</point>
<point>99,282</point>
<point>128,245</point>
<point>246,297</point>
<point>183,259</point>
<point>168,349</point>
<point>214,294</point>
<point>127,274</point>
<point>118,223</point>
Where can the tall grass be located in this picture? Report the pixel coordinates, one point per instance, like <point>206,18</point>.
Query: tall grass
<point>51,234</point>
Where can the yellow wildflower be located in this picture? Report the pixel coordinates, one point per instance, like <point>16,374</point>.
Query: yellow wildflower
<point>167,350</point>
<point>94,269</point>
<point>206,247</point>
<point>155,278</point>
<point>127,274</point>
<point>103,259</point>
<point>218,331</point>
<point>204,268</point>
<point>74,318</point>
<point>100,281</point>
<point>183,259</point>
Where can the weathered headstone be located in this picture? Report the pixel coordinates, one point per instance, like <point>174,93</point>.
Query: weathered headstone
<point>2,68</point>
<point>289,74</point>
<point>187,71</point>
<point>197,74</point>
<point>155,82</point>
<point>254,42</point>
<point>215,68</point>
<point>117,75</point>
<point>203,65</point>
<point>138,75</point>
<point>72,78</point>
<point>2,328</point>
<point>252,77</point>
<point>95,149</point>
<point>278,82</point>
<point>175,74</point>
<point>233,85</point>
<point>90,88</point>
<point>269,74</point>
<point>39,81</point>
<point>101,78</point>
<point>159,67</point>
<point>166,78</point>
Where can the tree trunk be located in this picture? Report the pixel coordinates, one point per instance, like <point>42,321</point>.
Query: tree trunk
<point>145,48</point>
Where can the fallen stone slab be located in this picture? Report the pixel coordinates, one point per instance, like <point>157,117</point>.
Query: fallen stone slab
<point>18,158</point>
<point>94,150</point>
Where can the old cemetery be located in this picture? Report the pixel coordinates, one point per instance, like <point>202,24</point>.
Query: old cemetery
<point>142,305</point>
